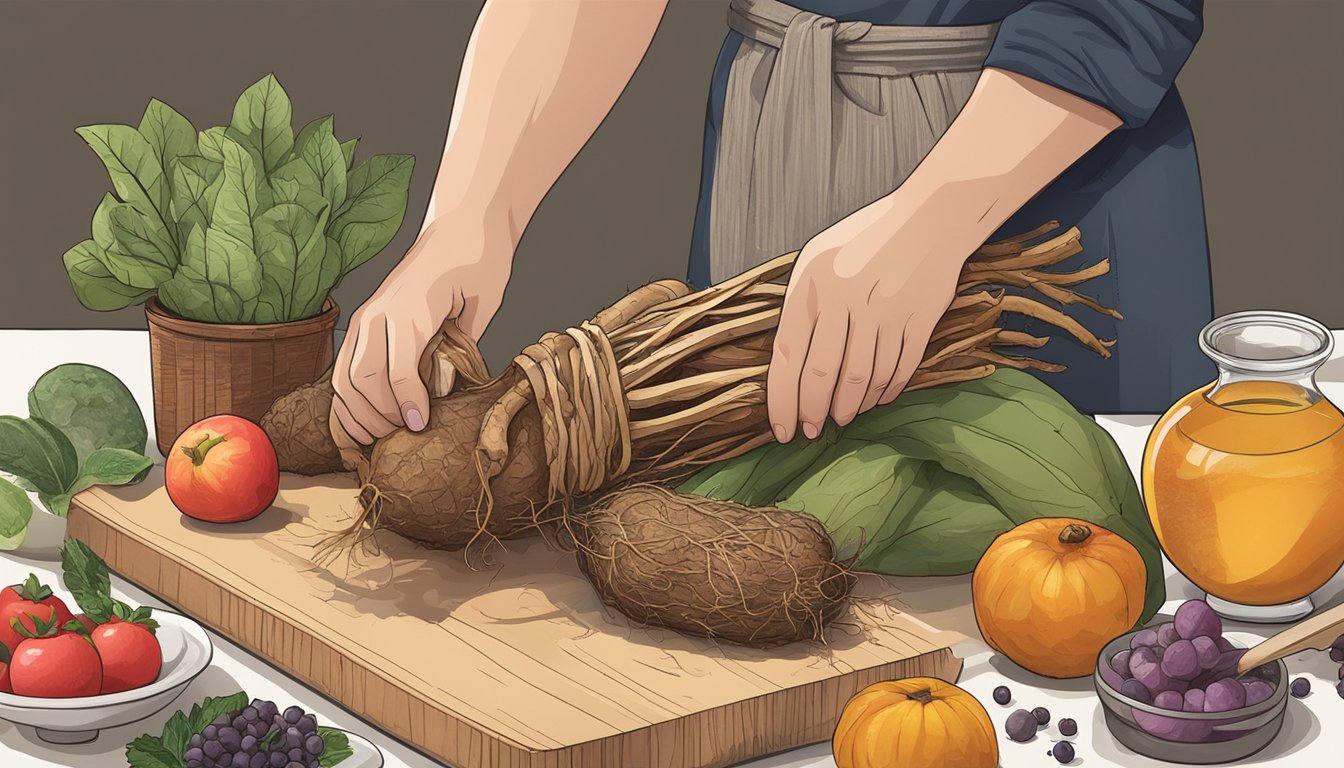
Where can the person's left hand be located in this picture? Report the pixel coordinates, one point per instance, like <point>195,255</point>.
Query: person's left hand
<point>861,304</point>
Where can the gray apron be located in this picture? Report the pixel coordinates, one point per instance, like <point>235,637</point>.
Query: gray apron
<point>823,117</point>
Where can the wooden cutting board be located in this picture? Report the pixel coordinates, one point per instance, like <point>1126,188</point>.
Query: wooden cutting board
<point>515,666</point>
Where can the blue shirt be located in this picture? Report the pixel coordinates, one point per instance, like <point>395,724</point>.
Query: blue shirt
<point>1135,197</point>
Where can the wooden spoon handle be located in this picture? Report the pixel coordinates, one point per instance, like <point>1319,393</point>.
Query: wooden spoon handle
<point>1316,632</point>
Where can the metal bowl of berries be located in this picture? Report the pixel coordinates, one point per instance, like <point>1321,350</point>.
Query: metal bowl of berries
<point>186,653</point>
<point>1170,692</point>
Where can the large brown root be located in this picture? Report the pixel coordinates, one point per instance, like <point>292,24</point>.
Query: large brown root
<point>297,426</point>
<point>748,575</point>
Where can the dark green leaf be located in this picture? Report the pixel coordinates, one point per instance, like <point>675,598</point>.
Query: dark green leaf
<point>348,149</point>
<point>149,752</point>
<point>15,512</point>
<point>94,286</point>
<point>133,165</point>
<point>213,707</point>
<point>292,247</point>
<point>322,154</point>
<point>108,466</point>
<point>91,407</point>
<point>170,135</point>
<point>85,575</point>
<point>336,747</point>
<point>930,480</point>
<point>196,180</point>
<point>219,280</point>
<point>374,207</point>
<point>57,504</point>
<point>176,733</point>
<point>295,182</point>
<point>37,451</point>
<point>263,114</point>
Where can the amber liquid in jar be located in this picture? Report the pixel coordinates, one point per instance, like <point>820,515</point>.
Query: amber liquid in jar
<point>1250,506</point>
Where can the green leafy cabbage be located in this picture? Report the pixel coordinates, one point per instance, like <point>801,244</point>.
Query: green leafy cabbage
<point>922,486</point>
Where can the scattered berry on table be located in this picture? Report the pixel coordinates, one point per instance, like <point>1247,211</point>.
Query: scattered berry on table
<point>1021,725</point>
<point>1002,695</point>
<point>1340,689</point>
<point>1341,671</point>
<point>1063,752</point>
<point>1042,715</point>
<point>1068,727</point>
<point>1336,653</point>
<point>1300,687</point>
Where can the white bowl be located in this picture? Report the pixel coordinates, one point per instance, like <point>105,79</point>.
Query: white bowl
<point>186,653</point>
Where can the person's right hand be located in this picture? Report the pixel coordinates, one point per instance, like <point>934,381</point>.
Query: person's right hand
<point>457,270</point>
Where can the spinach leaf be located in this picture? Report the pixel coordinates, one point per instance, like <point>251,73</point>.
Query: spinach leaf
<point>210,143</point>
<point>236,204</point>
<point>15,512</point>
<point>218,281</point>
<point>177,733</point>
<point>38,452</point>
<point>149,752</point>
<point>133,165</point>
<point>171,136</point>
<point>295,182</point>
<point>374,207</point>
<point>196,180</point>
<point>263,116</point>
<point>348,149</point>
<point>323,156</point>
<point>145,255</point>
<point>85,575</point>
<point>310,130</point>
<point>102,221</point>
<point>96,287</point>
<point>205,713</point>
<point>291,246</point>
<point>336,747</point>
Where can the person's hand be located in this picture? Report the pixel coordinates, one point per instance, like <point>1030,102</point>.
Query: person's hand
<point>861,304</point>
<point>457,270</point>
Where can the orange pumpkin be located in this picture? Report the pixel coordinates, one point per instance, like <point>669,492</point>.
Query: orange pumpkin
<point>919,722</point>
<point>1051,592</point>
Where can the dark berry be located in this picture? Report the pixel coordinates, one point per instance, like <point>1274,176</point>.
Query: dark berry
<point>1063,752</point>
<point>1300,687</point>
<point>194,755</point>
<point>1336,654</point>
<point>241,760</point>
<point>1341,671</point>
<point>1068,727</point>
<point>292,715</point>
<point>1042,715</point>
<point>313,745</point>
<point>210,732</point>
<point>1002,695</point>
<point>307,724</point>
<point>258,760</point>
<point>1340,689</point>
<point>1021,725</point>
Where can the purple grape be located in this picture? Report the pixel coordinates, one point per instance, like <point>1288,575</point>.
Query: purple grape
<point>1224,696</point>
<point>1259,690</point>
<point>1145,667</point>
<point>210,732</point>
<point>1042,715</point>
<point>1180,661</point>
<point>1299,688</point>
<point>292,715</point>
<point>1002,695</point>
<point>313,745</point>
<point>212,748</point>
<point>1336,654</point>
<point>1169,700</point>
<point>1195,618</point>
<point>1166,634</point>
<point>1063,752</point>
<point>1339,688</point>
<point>1120,662</point>
<point>1068,727</point>
<point>1111,677</point>
<point>1206,650</point>
<point>259,760</point>
<point>278,760</point>
<point>230,738</point>
<point>295,764</point>
<point>1194,700</point>
<point>193,755</point>
<point>1021,725</point>
<point>1144,638</point>
<point>307,725</point>
<point>240,760</point>
<point>1135,690</point>
<point>1341,672</point>
<point>222,720</point>
<point>1223,643</point>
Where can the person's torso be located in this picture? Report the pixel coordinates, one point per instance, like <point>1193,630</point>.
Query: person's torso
<point>922,13</point>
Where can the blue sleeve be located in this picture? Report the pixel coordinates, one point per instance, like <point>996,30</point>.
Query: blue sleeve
<point>1120,54</point>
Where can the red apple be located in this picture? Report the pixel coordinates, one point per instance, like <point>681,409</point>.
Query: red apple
<point>222,470</point>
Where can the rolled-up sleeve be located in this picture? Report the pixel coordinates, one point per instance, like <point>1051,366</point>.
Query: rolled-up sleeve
<point>1121,54</point>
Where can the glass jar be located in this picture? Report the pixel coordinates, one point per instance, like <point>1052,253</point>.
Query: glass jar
<point>1244,478</point>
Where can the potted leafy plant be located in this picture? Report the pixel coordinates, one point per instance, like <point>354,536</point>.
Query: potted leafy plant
<point>233,238</point>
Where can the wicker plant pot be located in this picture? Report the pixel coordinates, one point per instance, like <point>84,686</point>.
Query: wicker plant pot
<point>203,369</point>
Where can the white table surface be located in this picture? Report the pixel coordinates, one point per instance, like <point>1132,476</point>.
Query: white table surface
<point>1304,741</point>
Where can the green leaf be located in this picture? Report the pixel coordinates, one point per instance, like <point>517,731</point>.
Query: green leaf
<point>348,149</point>
<point>374,207</point>
<point>310,130</point>
<point>91,407</point>
<point>145,255</point>
<point>322,154</point>
<point>149,752</point>
<point>263,115</point>
<point>263,189</point>
<point>15,512</point>
<point>196,180</point>
<point>292,248</point>
<point>219,280</point>
<point>176,734</point>
<point>295,182</point>
<point>210,143</point>
<point>94,285</point>
<point>206,712</point>
<point>102,221</point>
<point>133,165</point>
<point>37,451</point>
<point>336,747</point>
<point>930,480</point>
<point>236,203</point>
<point>85,575</point>
<point>57,504</point>
<point>111,466</point>
<point>170,135</point>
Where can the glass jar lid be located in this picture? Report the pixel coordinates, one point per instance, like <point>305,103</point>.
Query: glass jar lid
<point>1266,342</point>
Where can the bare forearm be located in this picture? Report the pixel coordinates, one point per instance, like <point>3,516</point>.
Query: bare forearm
<point>1012,139</point>
<point>538,78</point>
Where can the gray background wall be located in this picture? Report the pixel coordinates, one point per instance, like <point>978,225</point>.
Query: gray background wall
<point>1262,87</point>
